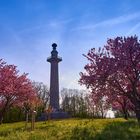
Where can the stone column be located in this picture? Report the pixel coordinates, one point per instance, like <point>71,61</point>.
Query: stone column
<point>54,78</point>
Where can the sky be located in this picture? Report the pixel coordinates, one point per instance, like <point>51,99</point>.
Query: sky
<point>29,27</point>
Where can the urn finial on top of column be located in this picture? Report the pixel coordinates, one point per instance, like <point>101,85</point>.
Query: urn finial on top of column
<point>54,45</point>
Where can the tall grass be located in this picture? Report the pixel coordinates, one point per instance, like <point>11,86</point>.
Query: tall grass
<point>73,129</point>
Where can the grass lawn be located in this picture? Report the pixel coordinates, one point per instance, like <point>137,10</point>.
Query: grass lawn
<point>73,129</point>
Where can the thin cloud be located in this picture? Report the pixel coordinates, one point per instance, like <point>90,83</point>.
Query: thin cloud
<point>111,22</point>
<point>50,24</point>
<point>134,28</point>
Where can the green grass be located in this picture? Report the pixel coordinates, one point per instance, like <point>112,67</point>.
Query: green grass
<point>73,129</point>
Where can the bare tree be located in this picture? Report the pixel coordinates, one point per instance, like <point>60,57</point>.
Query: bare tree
<point>73,102</point>
<point>42,93</point>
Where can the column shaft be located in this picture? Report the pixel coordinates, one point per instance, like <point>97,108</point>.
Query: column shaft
<point>54,86</point>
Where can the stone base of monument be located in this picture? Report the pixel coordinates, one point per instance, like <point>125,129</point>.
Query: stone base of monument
<point>54,115</point>
<point>59,115</point>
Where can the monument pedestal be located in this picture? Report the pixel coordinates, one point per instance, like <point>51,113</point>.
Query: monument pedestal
<point>59,115</point>
<point>54,115</point>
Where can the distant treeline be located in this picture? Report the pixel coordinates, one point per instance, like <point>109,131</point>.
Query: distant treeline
<point>76,102</point>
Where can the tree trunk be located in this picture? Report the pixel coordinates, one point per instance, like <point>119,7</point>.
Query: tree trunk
<point>102,114</point>
<point>126,115</point>
<point>2,113</point>
<point>1,117</point>
<point>137,111</point>
<point>4,109</point>
<point>27,118</point>
<point>32,121</point>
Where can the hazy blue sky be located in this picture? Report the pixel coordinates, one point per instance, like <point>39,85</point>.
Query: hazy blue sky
<point>29,27</point>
